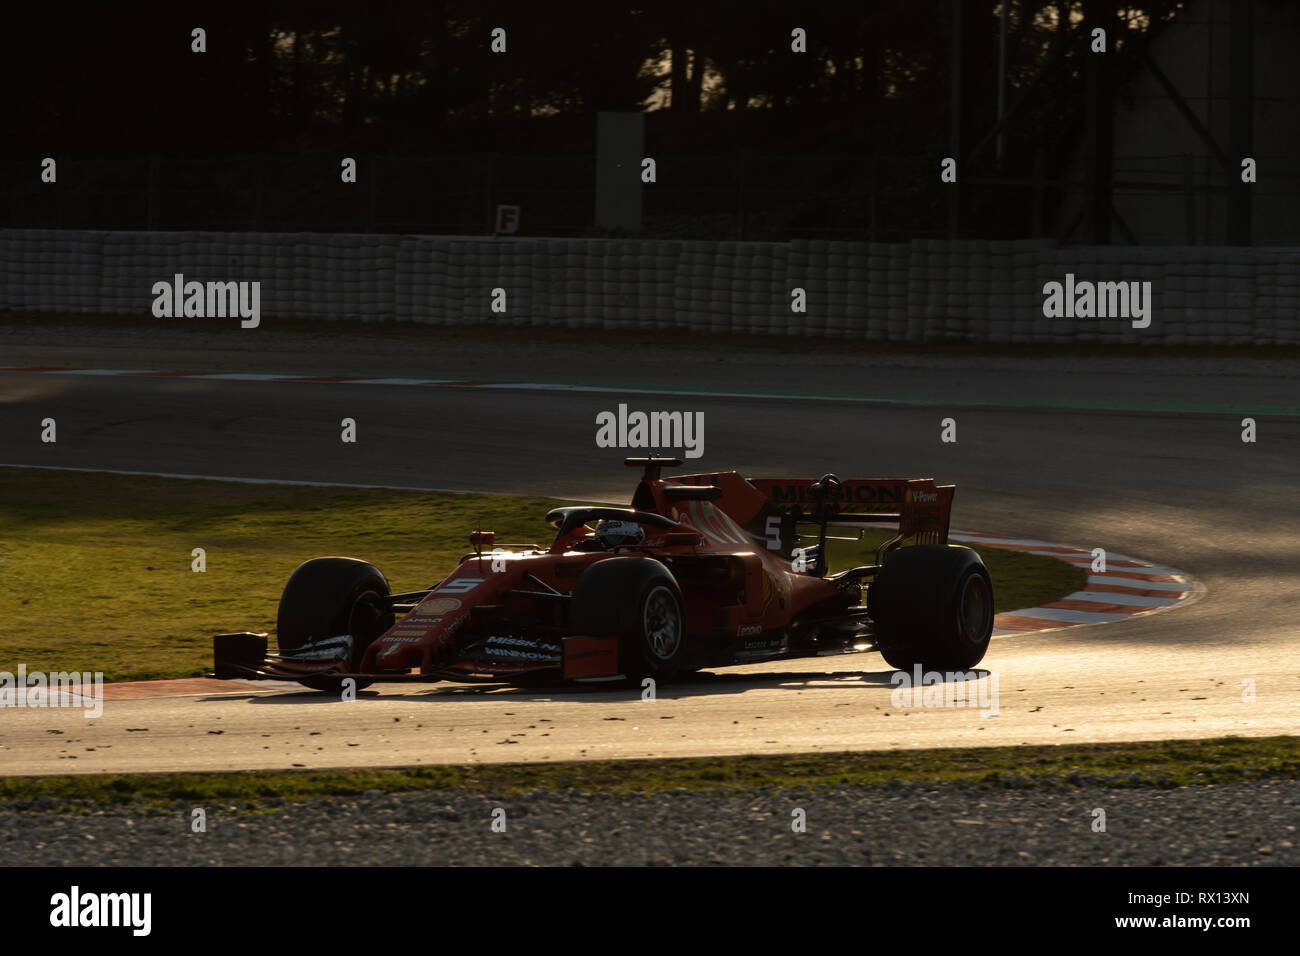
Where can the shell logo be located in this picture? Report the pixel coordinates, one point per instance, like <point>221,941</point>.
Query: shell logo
<point>439,606</point>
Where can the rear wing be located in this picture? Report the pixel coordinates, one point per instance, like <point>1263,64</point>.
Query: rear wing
<point>771,509</point>
<point>927,511</point>
<point>921,508</point>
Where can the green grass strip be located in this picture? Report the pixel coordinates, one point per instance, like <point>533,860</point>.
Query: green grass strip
<point>1111,765</point>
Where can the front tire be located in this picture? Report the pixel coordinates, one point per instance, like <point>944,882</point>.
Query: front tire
<point>326,597</point>
<point>932,605</point>
<point>637,601</point>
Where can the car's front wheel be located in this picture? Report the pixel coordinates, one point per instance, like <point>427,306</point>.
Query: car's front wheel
<point>637,601</point>
<point>326,597</point>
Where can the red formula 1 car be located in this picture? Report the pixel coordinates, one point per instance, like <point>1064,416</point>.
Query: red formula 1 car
<point>700,571</point>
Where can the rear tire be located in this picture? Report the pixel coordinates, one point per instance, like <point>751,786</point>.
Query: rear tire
<point>326,597</point>
<point>638,602</point>
<point>932,605</point>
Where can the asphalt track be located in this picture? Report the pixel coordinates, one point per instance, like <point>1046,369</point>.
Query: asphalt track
<point>1174,485</point>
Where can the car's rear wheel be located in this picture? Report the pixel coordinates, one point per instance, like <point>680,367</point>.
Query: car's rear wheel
<point>637,601</point>
<point>932,605</point>
<point>326,597</point>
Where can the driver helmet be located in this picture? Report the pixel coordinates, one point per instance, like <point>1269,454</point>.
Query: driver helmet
<point>615,533</point>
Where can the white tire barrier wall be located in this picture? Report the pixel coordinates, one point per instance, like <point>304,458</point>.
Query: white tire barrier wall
<point>965,290</point>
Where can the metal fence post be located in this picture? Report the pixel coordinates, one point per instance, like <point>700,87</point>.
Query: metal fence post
<point>58,206</point>
<point>373,176</point>
<point>153,201</point>
<point>257,191</point>
<point>871,199</point>
<point>1189,198</point>
<point>491,172</point>
<point>740,194</point>
<point>1036,229</point>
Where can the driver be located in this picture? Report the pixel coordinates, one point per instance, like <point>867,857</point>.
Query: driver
<point>613,533</point>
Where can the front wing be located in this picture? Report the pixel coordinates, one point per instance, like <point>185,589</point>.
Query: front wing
<point>244,656</point>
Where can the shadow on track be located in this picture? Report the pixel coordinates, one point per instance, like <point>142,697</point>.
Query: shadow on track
<point>699,684</point>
